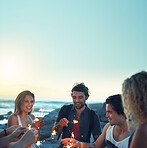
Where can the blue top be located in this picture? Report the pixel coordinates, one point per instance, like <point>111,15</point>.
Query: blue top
<point>85,129</point>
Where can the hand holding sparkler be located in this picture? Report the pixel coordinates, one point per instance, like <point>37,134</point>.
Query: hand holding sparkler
<point>29,137</point>
<point>63,122</point>
<point>38,123</point>
<point>70,143</point>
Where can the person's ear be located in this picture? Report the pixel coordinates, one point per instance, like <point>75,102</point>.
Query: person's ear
<point>87,97</point>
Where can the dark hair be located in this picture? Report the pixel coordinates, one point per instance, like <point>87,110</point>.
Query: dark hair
<point>116,102</point>
<point>80,87</point>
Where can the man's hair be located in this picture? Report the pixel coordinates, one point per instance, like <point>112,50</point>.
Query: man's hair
<point>80,87</point>
<point>116,102</point>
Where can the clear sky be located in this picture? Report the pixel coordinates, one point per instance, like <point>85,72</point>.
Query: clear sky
<point>46,46</point>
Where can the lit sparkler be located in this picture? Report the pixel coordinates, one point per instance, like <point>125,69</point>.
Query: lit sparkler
<point>71,144</point>
<point>68,146</point>
<point>75,121</point>
<point>29,126</point>
<point>72,135</point>
<point>36,121</point>
<point>53,133</point>
<point>38,143</point>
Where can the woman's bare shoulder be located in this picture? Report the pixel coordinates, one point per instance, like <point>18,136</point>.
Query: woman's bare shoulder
<point>12,120</point>
<point>12,116</point>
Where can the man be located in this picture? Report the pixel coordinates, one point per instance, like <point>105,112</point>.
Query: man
<point>115,134</point>
<point>87,121</point>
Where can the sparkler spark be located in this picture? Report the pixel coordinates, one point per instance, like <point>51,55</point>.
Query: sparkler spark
<point>38,143</point>
<point>68,146</point>
<point>71,144</point>
<point>72,135</point>
<point>53,133</point>
<point>75,121</point>
<point>36,119</point>
<point>29,126</point>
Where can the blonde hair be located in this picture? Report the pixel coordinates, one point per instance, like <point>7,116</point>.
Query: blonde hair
<point>134,94</point>
<point>19,100</point>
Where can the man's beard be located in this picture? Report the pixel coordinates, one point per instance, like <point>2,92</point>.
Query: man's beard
<point>79,107</point>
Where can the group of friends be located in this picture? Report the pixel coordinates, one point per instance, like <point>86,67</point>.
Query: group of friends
<point>126,113</point>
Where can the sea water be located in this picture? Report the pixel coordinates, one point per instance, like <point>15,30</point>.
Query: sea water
<point>40,108</point>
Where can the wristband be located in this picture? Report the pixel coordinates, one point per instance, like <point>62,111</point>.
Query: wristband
<point>5,131</point>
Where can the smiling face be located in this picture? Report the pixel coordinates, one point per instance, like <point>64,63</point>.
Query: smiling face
<point>27,104</point>
<point>113,117</point>
<point>79,99</point>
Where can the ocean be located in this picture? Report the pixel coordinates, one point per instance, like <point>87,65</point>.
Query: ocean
<point>41,108</point>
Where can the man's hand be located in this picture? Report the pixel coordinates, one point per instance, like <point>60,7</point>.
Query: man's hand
<point>63,122</point>
<point>71,142</point>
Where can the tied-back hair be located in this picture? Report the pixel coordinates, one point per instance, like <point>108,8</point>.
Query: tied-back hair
<point>134,92</point>
<point>80,87</point>
<point>116,103</point>
<point>19,101</point>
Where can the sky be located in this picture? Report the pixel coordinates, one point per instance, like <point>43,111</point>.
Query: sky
<point>47,46</point>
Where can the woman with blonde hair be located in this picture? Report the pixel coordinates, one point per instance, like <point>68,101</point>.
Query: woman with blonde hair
<point>23,111</point>
<point>23,108</point>
<point>134,92</point>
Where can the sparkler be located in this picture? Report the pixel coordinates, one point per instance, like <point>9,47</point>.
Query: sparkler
<point>36,119</point>
<point>54,133</point>
<point>68,146</point>
<point>29,127</point>
<point>36,122</point>
<point>75,121</point>
<point>72,136</point>
<point>38,143</point>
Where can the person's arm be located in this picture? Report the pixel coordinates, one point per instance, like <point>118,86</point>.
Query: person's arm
<point>27,139</point>
<point>8,131</point>
<point>12,120</point>
<point>96,127</point>
<point>139,138</point>
<point>99,143</point>
<point>58,126</point>
<point>101,140</point>
<point>61,119</point>
<point>5,141</point>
